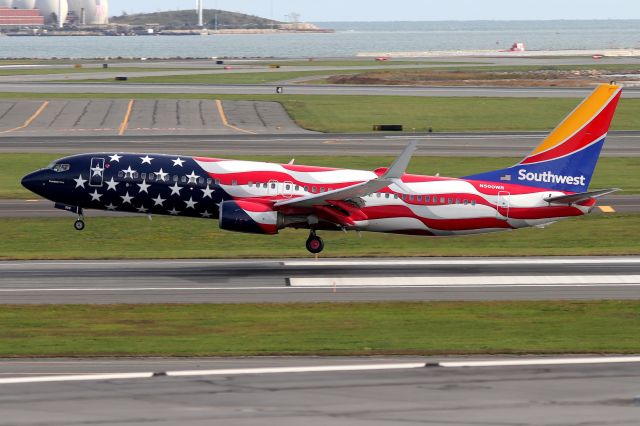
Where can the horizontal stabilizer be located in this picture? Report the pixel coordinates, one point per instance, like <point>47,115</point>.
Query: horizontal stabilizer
<point>582,196</point>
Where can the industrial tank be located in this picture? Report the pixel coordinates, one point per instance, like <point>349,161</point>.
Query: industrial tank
<point>50,7</point>
<point>24,4</point>
<point>96,12</point>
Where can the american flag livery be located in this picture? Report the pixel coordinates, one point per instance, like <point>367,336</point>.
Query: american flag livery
<point>262,198</point>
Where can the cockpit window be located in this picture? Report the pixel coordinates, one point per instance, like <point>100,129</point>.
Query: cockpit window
<point>61,167</point>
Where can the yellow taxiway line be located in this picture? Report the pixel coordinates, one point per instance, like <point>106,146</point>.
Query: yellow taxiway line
<point>125,120</point>
<point>223,117</point>
<point>607,209</point>
<point>30,119</point>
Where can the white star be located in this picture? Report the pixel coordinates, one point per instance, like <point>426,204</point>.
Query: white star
<point>80,182</point>
<point>97,171</point>
<point>111,206</point>
<point>142,209</point>
<point>177,162</point>
<point>191,204</point>
<point>126,199</point>
<point>144,186</point>
<point>161,174</point>
<point>115,157</point>
<point>112,184</point>
<point>95,196</point>
<point>207,192</point>
<point>146,159</point>
<point>159,200</point>
<point>175,189</point>
<point>129,172</point>
<point>174,212</point>
<point>205,214</point>
<point>193,177</point>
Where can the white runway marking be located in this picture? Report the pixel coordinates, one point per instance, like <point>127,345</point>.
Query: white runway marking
<point>445,262</point>
<point>320,369</point>
<point>475,281</point>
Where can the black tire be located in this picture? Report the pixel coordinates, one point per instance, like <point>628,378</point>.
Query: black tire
<point>79,225</point>
<point>315,244</point>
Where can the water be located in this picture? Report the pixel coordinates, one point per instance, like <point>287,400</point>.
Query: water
<point>349,39</point>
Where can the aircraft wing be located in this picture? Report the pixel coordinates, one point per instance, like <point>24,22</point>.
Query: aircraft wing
<point>582,196</point>
<point>392,176</point>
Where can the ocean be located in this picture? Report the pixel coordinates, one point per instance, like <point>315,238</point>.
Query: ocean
<point>349,39</point>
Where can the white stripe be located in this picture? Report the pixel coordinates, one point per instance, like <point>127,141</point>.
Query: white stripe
<point>443,262</point>
<point>75,378</point>
<point>547,361</point>
<point>499,280</point>
<point>281,370</point>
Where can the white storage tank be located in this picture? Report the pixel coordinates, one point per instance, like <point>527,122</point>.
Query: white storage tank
<point>24,4</point>
<point>94,12</point>
<point>48,8</point>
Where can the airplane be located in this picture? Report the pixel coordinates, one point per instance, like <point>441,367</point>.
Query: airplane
<point>550,184</point>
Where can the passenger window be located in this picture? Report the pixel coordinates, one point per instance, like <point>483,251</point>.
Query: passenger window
<point>426,199</point>
<point>217,181</point>
<point>321,189</point>
<point>441,200</point>
<point>450,201</point>
<point>313,189</point>
<point>306,189</point>
<point>135,175</point>
<point>386,195</point>
<point>273,185</point>
<point>473,202</point>
<point>209,181</point>
<point>152,177</point>
<point>395,196</point>
<point>250,184</point>
<point>288,187</point>
<point>183,179</point>
<point>201,180</point>
<point>297,187</point>
<point>176,178</point>
<point>457,200</point>
<point>143,176</point>
<point>120,174</point>
<point>410,197</point>
<point>465,202</point>
<point>234,182</point>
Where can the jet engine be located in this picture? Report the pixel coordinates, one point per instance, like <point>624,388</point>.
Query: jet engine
<point>249,217</point>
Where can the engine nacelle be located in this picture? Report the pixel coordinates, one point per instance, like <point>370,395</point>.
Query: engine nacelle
<point>249,217</point>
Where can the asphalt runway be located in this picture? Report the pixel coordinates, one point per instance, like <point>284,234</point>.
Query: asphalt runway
<point>500,144</point>
<point>119,117</point>
<point>568,395</point>
<point>273,281</point>
<point>307,89</point>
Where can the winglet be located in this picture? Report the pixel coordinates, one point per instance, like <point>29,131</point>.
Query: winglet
<point>398,168</point>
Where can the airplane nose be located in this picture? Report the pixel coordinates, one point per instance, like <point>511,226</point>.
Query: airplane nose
<point>32,181</point>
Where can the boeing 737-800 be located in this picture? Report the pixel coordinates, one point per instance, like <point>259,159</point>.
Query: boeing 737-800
<point>257,197</point>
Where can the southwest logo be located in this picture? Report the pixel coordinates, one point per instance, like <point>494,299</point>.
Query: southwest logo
<point>549,177</point>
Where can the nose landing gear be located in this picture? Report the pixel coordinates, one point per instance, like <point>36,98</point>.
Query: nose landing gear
<point>79,223</point>
<point>315,244</point>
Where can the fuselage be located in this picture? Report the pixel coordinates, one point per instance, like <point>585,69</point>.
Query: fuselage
<point>196,187</point>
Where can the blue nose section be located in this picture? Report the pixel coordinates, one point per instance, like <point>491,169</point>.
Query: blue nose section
<point>33,182</point>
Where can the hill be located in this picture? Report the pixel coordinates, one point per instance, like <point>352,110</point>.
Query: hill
<point>189,19</point>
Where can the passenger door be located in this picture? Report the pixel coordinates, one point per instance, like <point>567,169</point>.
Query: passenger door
<point>96,172</point>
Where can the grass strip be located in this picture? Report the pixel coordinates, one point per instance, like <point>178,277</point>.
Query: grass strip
<point>612,172</point>
<point>346,114</point>
<point>185,238</point>
<point>321,329</point>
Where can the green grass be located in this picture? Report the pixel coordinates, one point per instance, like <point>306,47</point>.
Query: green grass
<point>84,70</point>
<point>169,238</point>
<point>610,173</point>
<point>321,329</point>
<point>345,114</point>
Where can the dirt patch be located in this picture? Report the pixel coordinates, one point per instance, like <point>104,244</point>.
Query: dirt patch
<point>535,78</point>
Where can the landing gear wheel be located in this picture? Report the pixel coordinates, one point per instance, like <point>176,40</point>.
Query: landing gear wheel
<point>79,225</point>
<point>315,244</point>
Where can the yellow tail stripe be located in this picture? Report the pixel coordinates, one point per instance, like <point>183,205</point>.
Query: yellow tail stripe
<point>579,117</point>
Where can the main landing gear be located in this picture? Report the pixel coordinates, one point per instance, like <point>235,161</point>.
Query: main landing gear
<point>314,243</point>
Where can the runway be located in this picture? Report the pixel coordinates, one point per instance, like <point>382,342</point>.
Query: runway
<point>403,392</point>
<point>500,144</point>
<point>307,89</point>
<point>256,281</point>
